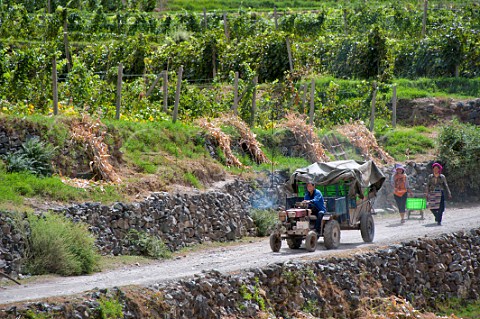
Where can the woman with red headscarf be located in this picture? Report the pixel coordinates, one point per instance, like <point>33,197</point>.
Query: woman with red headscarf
<point>437,182</point>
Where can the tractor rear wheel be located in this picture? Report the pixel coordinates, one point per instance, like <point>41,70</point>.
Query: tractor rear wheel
<point>311,241</point>
<point>294,242</point>
<point>367,228</point>
<point>331,234</point>
<point>275,242</point>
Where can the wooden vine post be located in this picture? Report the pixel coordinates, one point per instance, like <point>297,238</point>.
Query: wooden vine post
<point>165,91</point>
<point>254,101</point>
<point>177,93</point>
<point>275,17</point>
<point>374,99</point>
<point>54,85</point>
<point>312,102</point>
<point>394,106</point>
<point>289,51</point>
<point>119,91</point>
<point>424,20</point>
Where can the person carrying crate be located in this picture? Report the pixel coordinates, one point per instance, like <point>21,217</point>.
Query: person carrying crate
<point>400,189</point>
<point>435,191</point>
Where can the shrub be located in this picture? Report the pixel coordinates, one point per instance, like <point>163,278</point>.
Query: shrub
<point>148,245</point>
<point>58,245</point>
<point>459,152</point>
<point>264,220</point>
<point>34,157</point>
<point>110,308</point>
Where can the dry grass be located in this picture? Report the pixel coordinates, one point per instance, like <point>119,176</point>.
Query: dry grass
<point>247,138</point>
<point>394,307</point>
<point>92,134</point>
<point>358,134</point>
<point>305,136</point>
<point>222,140</point>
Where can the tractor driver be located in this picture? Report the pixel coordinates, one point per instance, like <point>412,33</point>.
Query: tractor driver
<point>314,198</point>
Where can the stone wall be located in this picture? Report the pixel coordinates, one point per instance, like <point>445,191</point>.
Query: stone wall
<point>427,111</point>
<point>180,220</point>
<point>422,271</point>
<point>12,248</point>
<point>9,143</point>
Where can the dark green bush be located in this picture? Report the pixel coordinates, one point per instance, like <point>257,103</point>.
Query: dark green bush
<point>264,220</point>
<point>57,245</point>
<point>35,157</point>
<point>148,245</point>
<point>459,151</point>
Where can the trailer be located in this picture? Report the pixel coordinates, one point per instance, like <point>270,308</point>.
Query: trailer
<point>349,189</point>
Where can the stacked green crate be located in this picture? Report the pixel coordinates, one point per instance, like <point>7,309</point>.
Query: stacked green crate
<point>336,190</point>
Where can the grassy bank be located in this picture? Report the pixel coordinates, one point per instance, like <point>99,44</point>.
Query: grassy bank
<point>160,156</point>
<point>199,5</point>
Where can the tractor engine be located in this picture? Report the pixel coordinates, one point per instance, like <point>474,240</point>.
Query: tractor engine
<point>295,218</point>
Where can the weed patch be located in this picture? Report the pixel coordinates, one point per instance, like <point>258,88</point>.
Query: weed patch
<point>148,245</point>
<point>264,221</point>
<point>57,245</point>
<point>110,308</point>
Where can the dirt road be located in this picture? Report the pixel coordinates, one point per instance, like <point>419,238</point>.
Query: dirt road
<point>388,230</point>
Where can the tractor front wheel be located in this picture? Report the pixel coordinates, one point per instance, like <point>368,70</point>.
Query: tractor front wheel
<point>311,241</point>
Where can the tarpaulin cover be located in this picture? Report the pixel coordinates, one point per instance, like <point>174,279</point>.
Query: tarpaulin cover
<point>358,174</point>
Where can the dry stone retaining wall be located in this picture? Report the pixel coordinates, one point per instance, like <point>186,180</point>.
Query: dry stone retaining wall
<point>426,111</point>
<point>12,245</point>
<point>179,220</point>
<point>423,271</point>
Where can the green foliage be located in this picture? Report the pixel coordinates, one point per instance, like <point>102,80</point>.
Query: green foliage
<point>149,245</point>
<point>461,308</point>
<point>438,87</point>
<point>57,245</point>
<point>16,187</point>
<point>35,157</point>
<point>264,220</point>
<point>402,142</point>
<point>459,151</point>
<point>375,41</point>
<point>192,180</point>
<point>32,315</point>
<point>253,294</point>
<point>110,308</point>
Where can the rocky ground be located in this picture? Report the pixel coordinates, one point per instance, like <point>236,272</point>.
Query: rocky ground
<point>244,256</point>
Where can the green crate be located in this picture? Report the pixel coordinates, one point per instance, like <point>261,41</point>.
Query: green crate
<point>416,203</point>
<point>335,190</point>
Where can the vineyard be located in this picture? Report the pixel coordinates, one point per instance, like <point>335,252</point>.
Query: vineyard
<point>80,45</point>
